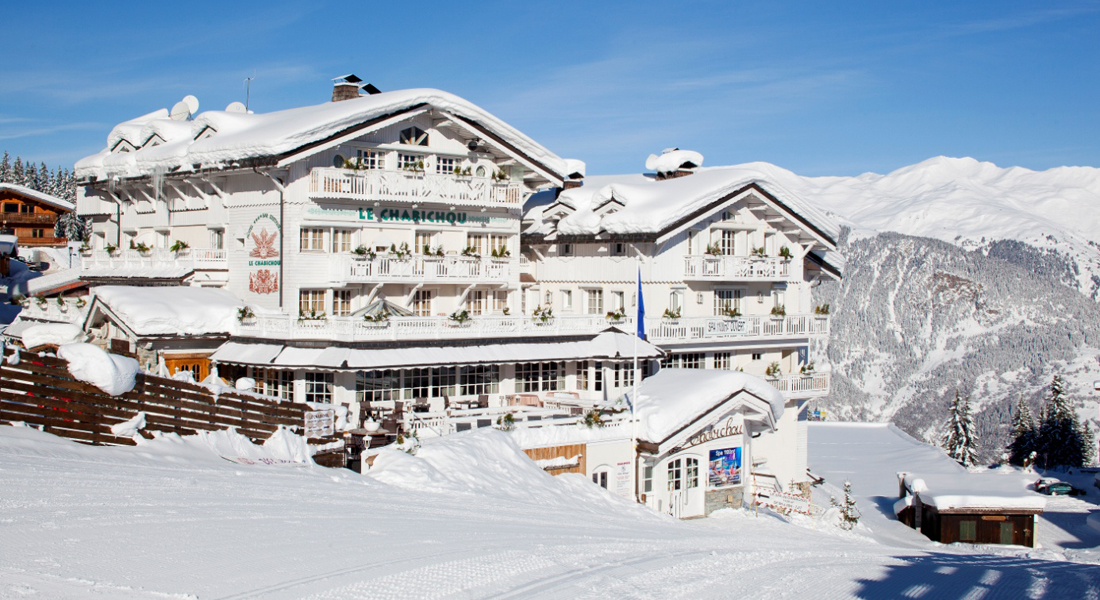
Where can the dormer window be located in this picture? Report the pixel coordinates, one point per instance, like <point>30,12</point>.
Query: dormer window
<point>414,136</point>
<point>123,146</point>
<point>154,140</point>
<point>205,133</point>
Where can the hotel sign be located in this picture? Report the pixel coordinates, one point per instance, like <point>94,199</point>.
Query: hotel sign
<point>404,214</point>
<point>728,429</point>
<point>726,326</point>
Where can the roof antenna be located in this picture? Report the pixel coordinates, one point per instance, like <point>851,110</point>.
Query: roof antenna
<point>248,90</point>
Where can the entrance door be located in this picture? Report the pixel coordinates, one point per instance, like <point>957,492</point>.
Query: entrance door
<point>685,494</point>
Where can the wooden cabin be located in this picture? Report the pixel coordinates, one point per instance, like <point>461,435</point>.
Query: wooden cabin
<point>31,215</point>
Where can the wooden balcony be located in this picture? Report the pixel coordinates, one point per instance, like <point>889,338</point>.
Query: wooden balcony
<point>12,219</point>
<point>658,331</point>
<point>195,258</point>
<point>413,186</point>
<point>427,269</point>
<point>711,267</point>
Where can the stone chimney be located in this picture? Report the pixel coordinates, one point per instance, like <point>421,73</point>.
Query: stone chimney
<point>345,87</point>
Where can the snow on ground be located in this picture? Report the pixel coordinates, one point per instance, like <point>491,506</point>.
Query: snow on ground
<point>468,517</point>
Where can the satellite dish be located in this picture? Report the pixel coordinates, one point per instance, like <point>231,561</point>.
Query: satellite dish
<point>180,112</point>
<point>235,107</point>
<point>192,103</point>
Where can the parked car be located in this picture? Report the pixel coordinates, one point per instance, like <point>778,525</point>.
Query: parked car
<point>1059,488</point>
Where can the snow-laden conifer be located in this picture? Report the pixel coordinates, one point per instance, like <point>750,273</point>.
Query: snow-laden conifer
<point>1061,442</point>
<point>1024,434</point>
<point>961,439</point>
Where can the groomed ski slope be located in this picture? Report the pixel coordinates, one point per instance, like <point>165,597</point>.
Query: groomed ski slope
<point>171,519</point>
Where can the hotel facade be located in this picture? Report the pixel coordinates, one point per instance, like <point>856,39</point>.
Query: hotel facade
<point>409,247</point>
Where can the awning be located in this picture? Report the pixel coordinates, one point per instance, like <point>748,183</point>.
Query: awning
<point>607,345</point>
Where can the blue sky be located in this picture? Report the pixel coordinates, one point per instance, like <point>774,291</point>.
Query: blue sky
<point>819,88</point>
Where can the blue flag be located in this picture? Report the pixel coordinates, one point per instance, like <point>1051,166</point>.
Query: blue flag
<point>641,307</point>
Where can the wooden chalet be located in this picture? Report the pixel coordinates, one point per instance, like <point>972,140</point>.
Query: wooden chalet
<point>31,215</point>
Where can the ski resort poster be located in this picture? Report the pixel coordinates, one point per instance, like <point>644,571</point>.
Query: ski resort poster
<point>725,467</point>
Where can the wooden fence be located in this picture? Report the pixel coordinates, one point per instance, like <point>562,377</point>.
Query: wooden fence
<point>39,390</point>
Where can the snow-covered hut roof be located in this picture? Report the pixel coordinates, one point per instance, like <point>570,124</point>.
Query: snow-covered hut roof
<point>169,310</point>
<point>609,344</point>
<point>239,138</point>
<point>673,399</point>
<point>964,490</point>
<point>53,201</point>
<point>659,206</point>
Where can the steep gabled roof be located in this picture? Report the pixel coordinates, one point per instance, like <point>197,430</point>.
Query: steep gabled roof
<point>53,201</point>
<point>245,138</point>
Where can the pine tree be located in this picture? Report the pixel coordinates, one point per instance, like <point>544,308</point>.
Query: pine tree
<point>849,514</point>
<point>17,174</point>
<point>43,181</point>
<point>30,176</point>
<point>5,168</point>
<point>1023,435</point>
<point>1060,442</point>
<point>961,439</point>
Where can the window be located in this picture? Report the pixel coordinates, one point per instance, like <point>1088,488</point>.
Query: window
<point>676,301</point>
<point>757,356</point>
<point>484,244</point>
<point>539,377</point>
<point>687,360</point>
<point>647,479</point>
<point>273,383</point>
<point>417,383</point>
<point>618,249</point>
<point>319,387</point>
<point>722,360</point>
<point>726,243</point>
<point>26,208</point>
<point>600,479</point>
<point>726,301</point>
<point>692,472</point>
<point>475,302</point>
<point>313,240</point>
<point>410,162</point>
<point>500,301</point>
<point>444,166</point>
<point>618,301</point>
<point>594,305</point>
<point>11,208</point>
<point>480,379</point>
<point>414,136</point>
<point>422,303</point>
<point>624,375</point>
<point>444,381</point>
<point>567,299</point>
<point>968,531</point>
<point>37,233</point>
<point>675,475</point>
<point>371,159</point>
<point>779,297</point>
<point>597,378</point>
<point>565,249</point>
<point>582,375</point>
<point>311,302</point>
<point>217,239</point>
<point>341,303</point>
<point>424,242</point>
<point>377,386</point>
<point>341,241</point>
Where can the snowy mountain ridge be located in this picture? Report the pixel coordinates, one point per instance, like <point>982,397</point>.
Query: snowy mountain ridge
<point>968,203</point>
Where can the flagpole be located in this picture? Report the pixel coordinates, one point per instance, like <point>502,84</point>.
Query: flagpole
<point>638,328</point>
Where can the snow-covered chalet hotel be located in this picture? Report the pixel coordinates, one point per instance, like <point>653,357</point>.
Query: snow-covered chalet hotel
<point>410,247</point>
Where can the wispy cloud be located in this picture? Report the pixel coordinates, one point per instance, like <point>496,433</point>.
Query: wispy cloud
<point>48,130</point>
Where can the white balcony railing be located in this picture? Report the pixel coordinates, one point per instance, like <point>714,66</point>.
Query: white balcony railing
<point>286,327</point>
<point>814,384</point>
<point>709,266</point>
<point>423,268</point>
<point>328,182</point>
<point>195,258</point>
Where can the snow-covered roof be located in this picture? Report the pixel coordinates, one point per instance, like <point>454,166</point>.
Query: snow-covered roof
<point>41,334</point>
<point>244,136</point>
<point>171,310</point>
<point>609,344</point>
<point>656,206</point>
<point>53,201</point>
<point>966,490</point>
<point>673,398</point>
